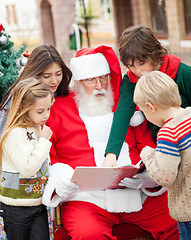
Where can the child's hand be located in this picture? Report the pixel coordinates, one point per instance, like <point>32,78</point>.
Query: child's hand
<point>44,131</point>
<point>110,160</point>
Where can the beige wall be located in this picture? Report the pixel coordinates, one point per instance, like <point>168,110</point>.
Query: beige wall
<point>175,23</point>
<point>145,13</point>
<point>56,19</point>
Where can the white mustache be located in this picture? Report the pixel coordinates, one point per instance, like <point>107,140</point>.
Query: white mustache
<point>96,92</point>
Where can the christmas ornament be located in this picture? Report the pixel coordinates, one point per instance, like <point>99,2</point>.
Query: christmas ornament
<point>1,27</point>
<point>18,65</point>
<point>9,69</point>
<point>26,54</point>
<point>23,61</point>
<point>3,40</point>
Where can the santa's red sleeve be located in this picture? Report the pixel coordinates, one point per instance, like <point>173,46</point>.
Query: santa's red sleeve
<point>53,156</point>
<point>137,138</point>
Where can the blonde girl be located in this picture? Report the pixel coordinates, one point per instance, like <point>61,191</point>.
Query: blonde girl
<point>24,152</point>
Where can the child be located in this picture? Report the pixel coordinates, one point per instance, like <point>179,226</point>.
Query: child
<point>169,164</point>
<point>46,63</point>
<point>24,150</point>
<point>141,52</point>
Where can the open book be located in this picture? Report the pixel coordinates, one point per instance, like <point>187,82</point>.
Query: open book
<point>101,178</point>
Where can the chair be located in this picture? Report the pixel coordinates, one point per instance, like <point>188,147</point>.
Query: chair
<point>123,231</point>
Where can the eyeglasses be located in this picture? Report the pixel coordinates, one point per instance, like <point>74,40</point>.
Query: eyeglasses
<point>92,81</point>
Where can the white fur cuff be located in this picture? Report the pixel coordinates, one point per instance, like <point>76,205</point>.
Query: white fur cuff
<point>61,170</point>
<point>47,198</point>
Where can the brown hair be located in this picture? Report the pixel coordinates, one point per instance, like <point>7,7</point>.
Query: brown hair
<point>139,42</point>
<point>39,60</point>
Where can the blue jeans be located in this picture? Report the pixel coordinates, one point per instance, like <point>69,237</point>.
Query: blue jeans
<point>184,230</point>
<point>25,223</point>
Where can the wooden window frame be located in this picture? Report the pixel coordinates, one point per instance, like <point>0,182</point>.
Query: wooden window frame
<point>156,17</point>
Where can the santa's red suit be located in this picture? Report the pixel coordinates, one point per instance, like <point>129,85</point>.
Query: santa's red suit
<point>79,140</point>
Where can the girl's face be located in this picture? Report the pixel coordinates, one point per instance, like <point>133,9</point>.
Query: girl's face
<point>40,111</point>
<point>52,76</point>
<point>139,68</point>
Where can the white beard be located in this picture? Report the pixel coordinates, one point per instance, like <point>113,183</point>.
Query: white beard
<point>96,113</point>
<point>90,105</point>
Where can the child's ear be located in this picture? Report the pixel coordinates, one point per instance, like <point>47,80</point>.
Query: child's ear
<point>151,107</point>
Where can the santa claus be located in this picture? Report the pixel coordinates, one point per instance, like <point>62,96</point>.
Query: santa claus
<point>81,124</point>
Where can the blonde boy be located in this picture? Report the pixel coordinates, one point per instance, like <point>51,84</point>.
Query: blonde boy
<point>157,95</point>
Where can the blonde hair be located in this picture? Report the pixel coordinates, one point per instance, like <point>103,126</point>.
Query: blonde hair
<point>25,93</point>
<point>157,88</point>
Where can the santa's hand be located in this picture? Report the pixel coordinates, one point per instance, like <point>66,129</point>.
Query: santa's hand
<point>131,183</point>
<point>140,180</point>
<point>66,189</point>
<point>60,174</point>
<point>148,182</point>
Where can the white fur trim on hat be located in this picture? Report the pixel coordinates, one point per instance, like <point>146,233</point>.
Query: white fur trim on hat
<point>88,66</point>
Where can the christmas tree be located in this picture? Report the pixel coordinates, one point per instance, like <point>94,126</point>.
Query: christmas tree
<point>9,65</point>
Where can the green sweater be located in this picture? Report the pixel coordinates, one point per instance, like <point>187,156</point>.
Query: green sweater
<point>126,108</point>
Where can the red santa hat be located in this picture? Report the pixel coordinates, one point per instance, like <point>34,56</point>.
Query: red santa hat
<point>94,62</point>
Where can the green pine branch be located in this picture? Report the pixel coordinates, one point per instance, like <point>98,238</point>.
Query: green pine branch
<point>9,69</point>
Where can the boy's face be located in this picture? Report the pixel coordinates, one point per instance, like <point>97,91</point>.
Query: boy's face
<point>139,68</point>
<point>152,114</point>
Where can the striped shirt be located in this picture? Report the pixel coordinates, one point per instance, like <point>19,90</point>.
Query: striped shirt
<point>173,140</point>
<point>170,163</point>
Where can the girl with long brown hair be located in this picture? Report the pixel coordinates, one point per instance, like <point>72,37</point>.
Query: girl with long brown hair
<point>46,63</point>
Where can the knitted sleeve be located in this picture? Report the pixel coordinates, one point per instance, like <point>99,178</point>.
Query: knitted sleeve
<point>162,163</point>
<point>122,116</point>
<point>24,155</point>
